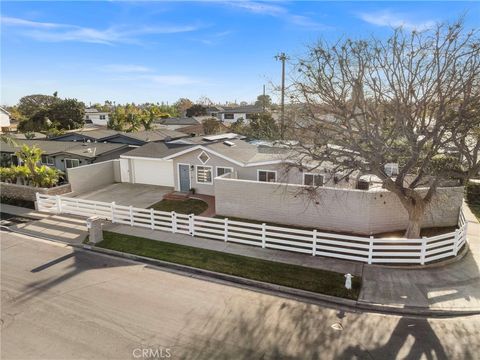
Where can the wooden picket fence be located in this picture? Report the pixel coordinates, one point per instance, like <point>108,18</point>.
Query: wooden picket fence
<point>370,250</point>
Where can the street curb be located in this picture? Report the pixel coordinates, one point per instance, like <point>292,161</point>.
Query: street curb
<point>287,292</point>
<point>272,289</point>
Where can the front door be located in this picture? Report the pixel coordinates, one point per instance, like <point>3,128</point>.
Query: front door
<point>184,177</point>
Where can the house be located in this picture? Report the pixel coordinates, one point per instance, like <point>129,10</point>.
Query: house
<point>194,163</point>
<point>4,119</point>
<point>63,155</point>
<point>177,123</point>
<point>118,137</point>
<point>231,115</point>
<point>95,117</point>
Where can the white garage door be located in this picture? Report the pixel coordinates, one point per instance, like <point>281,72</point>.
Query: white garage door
<point>153,172</point>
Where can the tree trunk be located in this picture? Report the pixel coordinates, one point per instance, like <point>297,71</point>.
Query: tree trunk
<point>415,217</point>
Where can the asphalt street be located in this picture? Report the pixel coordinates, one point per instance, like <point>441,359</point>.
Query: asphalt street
<point>61,303</point>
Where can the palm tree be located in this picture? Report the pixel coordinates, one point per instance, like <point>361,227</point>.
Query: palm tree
<point>30,156</point>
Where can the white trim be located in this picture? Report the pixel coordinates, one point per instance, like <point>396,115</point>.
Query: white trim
<point>189,176</point>
<point>208,157</point>
<point>270,162</point>
<point>47,163</point>
<point>222,167</point>
<point>206,150</point>
<point>65,163</point>
<point>141,158</point>
<point>258,175</point>
<point>310,173</point>
<point>211,175</point>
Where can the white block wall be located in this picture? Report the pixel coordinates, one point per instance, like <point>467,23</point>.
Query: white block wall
<point>355,211</point>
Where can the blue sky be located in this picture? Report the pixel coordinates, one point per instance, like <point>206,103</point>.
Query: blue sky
<point>161,51</point>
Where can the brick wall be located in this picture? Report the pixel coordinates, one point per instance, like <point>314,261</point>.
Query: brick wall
<point>27,193</point>
<point>353,211</point>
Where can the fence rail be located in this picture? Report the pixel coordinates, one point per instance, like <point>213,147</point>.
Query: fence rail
<point>365,249</point>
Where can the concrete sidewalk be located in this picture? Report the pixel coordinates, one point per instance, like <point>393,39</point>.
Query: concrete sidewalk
<point>452,287</point>
<point>449,288</point>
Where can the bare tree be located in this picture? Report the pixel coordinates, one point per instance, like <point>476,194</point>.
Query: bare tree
<point>413,99</point>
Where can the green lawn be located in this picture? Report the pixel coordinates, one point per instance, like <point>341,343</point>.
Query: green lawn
<point>319,281</point>
<point>189,206</point>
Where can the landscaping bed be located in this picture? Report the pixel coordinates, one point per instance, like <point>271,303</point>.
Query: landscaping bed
<point>189,206</point>
<point>294,276</point>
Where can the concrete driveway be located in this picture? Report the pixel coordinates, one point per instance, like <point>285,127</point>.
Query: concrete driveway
<point>137,195</point>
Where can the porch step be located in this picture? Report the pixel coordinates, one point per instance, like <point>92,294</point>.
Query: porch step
<point>176,195</point>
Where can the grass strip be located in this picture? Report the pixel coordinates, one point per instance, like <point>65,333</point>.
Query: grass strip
<point>294,276</point>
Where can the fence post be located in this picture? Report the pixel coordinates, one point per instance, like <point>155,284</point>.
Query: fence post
<point>152,219</point>
<point>191,224</point>
<point>37,197</point>
<point>131,215</point>
<point>314,245</point>
<point>174,222</point>
<point>59,204</point>
<point>423,251</point>
<point>113,211</point>
<point>226,229</point>
<point>370,250</point>
<point>264,235</point>
<point>455,242</point>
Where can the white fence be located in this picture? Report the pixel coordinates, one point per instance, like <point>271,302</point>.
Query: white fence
<point>365,249</point>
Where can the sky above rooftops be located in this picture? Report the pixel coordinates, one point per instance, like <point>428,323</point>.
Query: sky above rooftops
<point>161,51</point>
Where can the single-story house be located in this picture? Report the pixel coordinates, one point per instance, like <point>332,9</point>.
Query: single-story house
<point>231,115</point>
<point>95,117</point>
<point>137,138</point>
<point>4,119</point>
<point>177,123</point>
<point>63,155</point>
<point>194,163</point>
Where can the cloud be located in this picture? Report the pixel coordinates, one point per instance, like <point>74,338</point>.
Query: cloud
<point>55,32</point>
<point>395,20</point>
<point>279,12</point>
<point>215,38</point>
<point>126,68</point>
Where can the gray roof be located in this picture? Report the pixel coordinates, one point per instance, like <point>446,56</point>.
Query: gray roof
<point>247,109</point>
<point>21,136</point>
<point>147,135</point>
<point>157,150</point>
<point>56,147</point>
<point>178,121</point>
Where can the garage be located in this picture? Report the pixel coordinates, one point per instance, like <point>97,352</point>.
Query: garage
<point>152,172</point>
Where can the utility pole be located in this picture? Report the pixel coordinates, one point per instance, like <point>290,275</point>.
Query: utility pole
<point>282,57</point>
<point>263,102</point>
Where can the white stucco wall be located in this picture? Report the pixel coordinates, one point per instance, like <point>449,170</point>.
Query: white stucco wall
<point>95,118</point>
<point>93,176</point>
<point>343,210</point>
<point>152,172</point>
<point>4,119</point>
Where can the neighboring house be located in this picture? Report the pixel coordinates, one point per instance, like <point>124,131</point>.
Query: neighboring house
<point>176,123</point>
<point>186,166</point>
<point>63,155</point>
<point>230,115</point>
<point>35,135</point>
<point>95,117</point>
<point>118,137</point>
<point>4,119</point>
<point>197,130</point>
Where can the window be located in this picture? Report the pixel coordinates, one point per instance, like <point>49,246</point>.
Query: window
<point>391,169</point>
<point>102,117</point>
<point>204,174</point>
<point>14,160</point>
<point>71,163</point>
<point>266,176</point>
<point>312,179</point>
<point>47,160</point>
<point>87,117</point>
<point>203,157</point>
<point>228,116</point>
<point>363,185</point>
<point>223,170</point>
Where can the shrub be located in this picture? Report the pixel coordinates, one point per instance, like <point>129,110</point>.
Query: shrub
<point>472,191</point>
